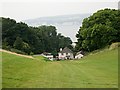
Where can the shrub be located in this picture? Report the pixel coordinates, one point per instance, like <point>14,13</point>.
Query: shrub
<point>31,53</point>
<point>17,51</point>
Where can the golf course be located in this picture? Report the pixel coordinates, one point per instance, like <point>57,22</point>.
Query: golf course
<point>96,70</point>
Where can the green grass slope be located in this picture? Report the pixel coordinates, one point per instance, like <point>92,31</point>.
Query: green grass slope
<point>99,70</point>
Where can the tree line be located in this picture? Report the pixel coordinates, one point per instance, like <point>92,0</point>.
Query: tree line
<point>32,40</point>
<point>99,30</point>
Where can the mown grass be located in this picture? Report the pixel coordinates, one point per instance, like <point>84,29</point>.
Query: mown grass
<point>99,70</point>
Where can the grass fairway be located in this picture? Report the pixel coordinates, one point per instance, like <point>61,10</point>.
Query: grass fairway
<point>98,70</point>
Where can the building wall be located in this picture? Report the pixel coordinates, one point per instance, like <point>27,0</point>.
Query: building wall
<point>71,56</point>
<point>63,56</point>
<point>78,56</point>
<point>50,57</point>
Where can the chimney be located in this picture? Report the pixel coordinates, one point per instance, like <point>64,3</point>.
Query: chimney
<point>60,49</point>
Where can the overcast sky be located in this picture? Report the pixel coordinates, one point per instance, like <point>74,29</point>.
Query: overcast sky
<point>33,9</point>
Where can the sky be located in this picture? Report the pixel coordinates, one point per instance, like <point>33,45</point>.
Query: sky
<point>24,9</point>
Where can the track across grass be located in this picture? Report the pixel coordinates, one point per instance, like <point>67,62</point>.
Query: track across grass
<point>99,70</point>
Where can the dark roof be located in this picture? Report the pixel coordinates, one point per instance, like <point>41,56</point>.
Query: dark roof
<point>66,50</point>
<point>45,53</point>
<point>80,52</point>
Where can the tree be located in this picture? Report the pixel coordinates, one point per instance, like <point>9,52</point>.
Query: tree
<point>18,44</point>
<point>99,30</point>
<point>21,45</point>
<point>32,39</point>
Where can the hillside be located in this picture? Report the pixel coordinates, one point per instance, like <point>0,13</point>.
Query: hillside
<point>58,20</point>
<point>16,54</point>
<point>63,23</point>
<point>99,70</point>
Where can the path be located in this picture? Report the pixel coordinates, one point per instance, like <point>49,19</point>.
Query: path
<point>1,50</point>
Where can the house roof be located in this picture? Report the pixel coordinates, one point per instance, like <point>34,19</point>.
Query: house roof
<point>66,50</point>
<point>45,53</point>
<point>80,52</point>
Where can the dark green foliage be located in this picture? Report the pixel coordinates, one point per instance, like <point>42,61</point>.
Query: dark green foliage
<point>17,51</point>
<point>99,30</point>
<point>18,44</point>
<point>21,45</point>
<point>32,40</point>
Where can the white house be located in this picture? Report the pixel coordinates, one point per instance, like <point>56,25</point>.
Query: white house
<point>48,55</point>
<point>66,53</point>
<point>79,55</point>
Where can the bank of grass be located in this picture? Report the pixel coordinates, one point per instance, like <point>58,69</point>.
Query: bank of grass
<point>98,70</point>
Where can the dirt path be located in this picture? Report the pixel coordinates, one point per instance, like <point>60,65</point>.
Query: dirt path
<point>1,50</point>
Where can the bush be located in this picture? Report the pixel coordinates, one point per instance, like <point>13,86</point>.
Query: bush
<point>6,47</point>
<point>17,51</point>
<point>31,53</point>
<point>46,59</point>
